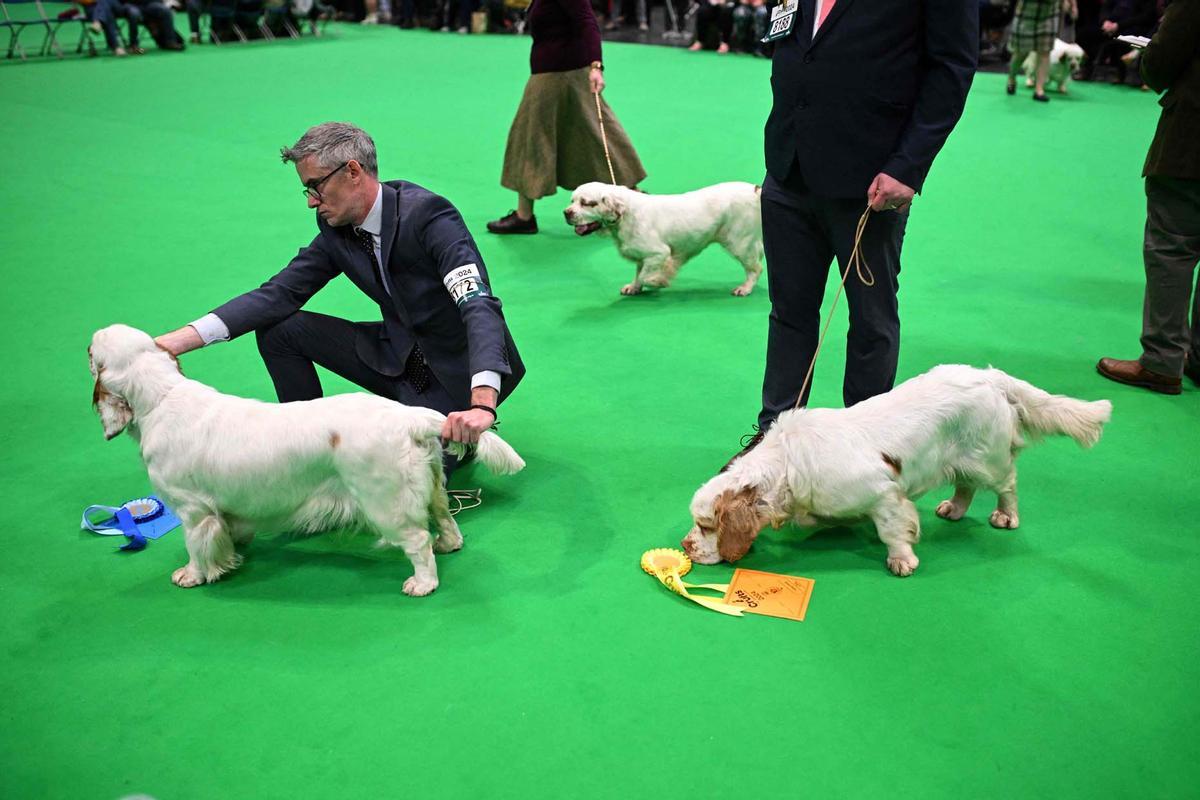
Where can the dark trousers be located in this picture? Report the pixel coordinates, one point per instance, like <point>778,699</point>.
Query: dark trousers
<point>106,12</point>
<point>714,25</point>
<point>1171,253</point>
<point>802,233</point>
<point>292,347</point>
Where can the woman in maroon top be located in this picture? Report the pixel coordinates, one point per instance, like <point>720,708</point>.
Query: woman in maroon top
<point>555,138</point>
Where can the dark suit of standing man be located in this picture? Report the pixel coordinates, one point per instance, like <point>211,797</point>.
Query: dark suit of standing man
<point>1171,252</point>
<point>442,342</point>
<point>861,108</point>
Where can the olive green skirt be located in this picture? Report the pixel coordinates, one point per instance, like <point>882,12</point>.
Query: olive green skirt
<point>555,138</point>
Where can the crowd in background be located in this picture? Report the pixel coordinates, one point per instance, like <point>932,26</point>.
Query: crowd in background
<point>723,26</point>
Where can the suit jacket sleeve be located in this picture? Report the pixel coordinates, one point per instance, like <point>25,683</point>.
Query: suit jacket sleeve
<point>282,295</point>
<point>446,240</point>
<point>1175,45</point>
<point>951,55</point>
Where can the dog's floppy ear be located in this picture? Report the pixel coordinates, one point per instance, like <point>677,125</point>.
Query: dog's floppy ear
<point>615,206</point>
<point>738,521</point>
<point>115,413</point>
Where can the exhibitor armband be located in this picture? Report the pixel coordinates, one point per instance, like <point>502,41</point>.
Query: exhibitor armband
<point>465,283</point>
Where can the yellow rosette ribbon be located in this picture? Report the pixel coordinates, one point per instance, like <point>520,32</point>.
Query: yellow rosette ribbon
<point>669,566</point>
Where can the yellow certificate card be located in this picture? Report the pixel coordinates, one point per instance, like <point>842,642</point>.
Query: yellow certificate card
<point>770,594</point>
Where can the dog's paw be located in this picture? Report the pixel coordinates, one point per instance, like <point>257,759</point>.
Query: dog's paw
<point>1029,83</point>
<point>948,510</point>
<point>186,577</point>
<point>419,587</point>
<point>903,565</point>
<point>1006,520</point>
<point>741,291</point>
<point>631,289</point>
<point>448,542</point>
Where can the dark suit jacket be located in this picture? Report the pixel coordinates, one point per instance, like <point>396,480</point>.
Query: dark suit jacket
<point>423,239</point>
<point>878,90</point>
<point>1172,62</point>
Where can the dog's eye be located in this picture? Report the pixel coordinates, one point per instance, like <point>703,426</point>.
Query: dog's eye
<point>586,203</point>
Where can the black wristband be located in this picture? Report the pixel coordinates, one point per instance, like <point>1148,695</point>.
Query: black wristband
<point>488,409</point>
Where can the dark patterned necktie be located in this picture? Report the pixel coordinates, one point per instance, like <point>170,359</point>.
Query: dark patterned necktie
<point>416,369</point>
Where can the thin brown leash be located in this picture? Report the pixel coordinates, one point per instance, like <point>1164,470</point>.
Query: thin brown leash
<point>604,139</point>
<point>858,262</point>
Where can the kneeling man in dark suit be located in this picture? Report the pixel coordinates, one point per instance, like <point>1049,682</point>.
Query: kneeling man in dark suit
<point>442,341</point>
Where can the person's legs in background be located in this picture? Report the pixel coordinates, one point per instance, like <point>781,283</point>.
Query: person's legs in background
<point>1171,252</point>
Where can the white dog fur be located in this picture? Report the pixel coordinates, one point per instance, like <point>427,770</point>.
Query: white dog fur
<point>1064,59</point>
<point>659,233</point>
<point>229,466</point>
<point>954,424</point>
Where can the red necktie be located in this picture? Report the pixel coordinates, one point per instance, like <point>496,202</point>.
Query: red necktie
<point>826,6</point>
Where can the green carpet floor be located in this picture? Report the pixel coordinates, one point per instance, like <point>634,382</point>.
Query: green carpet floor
<point>1059,660</point>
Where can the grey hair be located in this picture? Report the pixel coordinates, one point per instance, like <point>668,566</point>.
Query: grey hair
<point>334,143</point>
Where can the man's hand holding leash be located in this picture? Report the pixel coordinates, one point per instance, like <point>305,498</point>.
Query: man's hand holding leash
<point>888,194</point>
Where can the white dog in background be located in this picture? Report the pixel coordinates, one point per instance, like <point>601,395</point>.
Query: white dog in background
<point>954,424</point>
<point>230,466</point>
<point>1064,59</point>
<point>659,233</point>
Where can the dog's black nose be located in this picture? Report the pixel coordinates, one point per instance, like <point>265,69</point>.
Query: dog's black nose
<point>567,214</point>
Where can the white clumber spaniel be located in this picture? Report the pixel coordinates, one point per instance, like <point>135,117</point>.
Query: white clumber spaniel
<point>1064,60</point>
<point>954,424</point>
<point>229,466</point>
<point>660,233</point>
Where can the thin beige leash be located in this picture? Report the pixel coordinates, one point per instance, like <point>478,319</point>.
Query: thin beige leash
<point>859,263</point>
<point>604,139</point>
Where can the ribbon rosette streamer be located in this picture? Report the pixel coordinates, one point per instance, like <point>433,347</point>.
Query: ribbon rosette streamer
<point>669,566</point>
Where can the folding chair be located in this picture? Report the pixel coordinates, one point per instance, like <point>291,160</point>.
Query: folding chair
<point>25,10</point>
<point>60,13</point>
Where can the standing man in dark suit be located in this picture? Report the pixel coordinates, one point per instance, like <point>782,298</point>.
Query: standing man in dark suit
<point>1170,346</point>
<point>442,342</point>
<point>865,94</point>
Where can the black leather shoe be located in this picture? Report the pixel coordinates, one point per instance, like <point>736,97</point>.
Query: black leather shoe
<point>511,223</point>
<point>749,442</point>
<point>1041,98</point>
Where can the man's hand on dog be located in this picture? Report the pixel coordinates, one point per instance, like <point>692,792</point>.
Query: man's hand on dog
<point>888,194</point>
<point>467,426</point>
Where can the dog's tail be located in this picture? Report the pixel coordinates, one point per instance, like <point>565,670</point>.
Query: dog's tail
<point>495,453</point>
<point>1042,413</point>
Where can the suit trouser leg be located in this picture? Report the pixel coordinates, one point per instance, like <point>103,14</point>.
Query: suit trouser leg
<point>801,234</point>
<point>292,347</point>
<point>873,341</point>
<point>1171,252</point>
<point>799,251</point>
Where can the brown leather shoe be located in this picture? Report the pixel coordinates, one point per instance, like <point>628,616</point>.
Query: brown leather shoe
<point>1134,374</point>
<point>749,442</point>
<point>511,223</point>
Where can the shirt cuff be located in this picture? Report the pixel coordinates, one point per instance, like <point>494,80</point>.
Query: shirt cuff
<point>486,378</point>
<point>211,329</point>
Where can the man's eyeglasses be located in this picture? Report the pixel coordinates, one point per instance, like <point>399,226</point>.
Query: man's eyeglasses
<point>313,190</point>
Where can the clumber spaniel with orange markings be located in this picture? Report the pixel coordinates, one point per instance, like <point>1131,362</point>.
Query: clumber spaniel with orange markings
<point>659,233</point>
<point>954,424</point>
<point>230,466</point>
